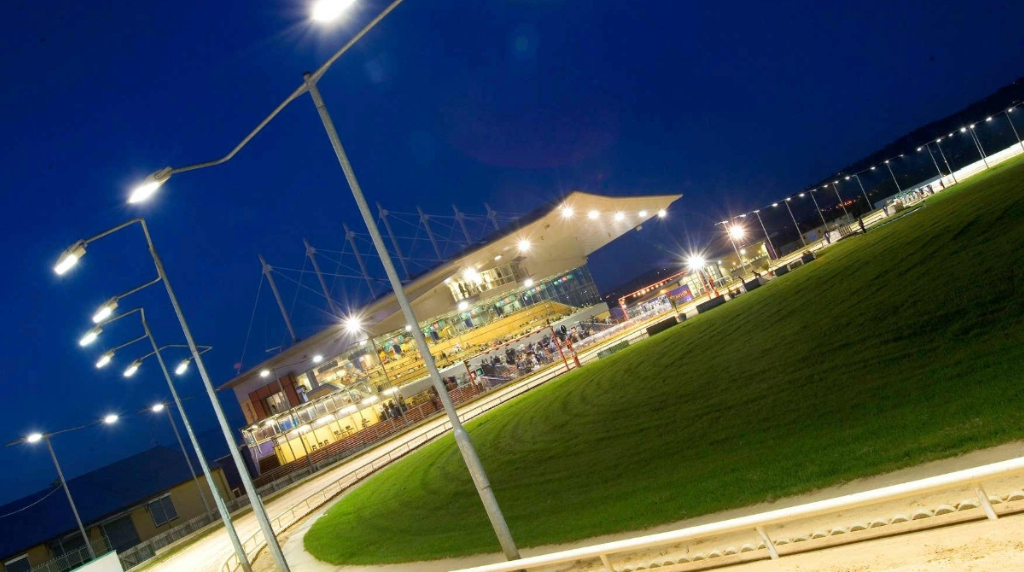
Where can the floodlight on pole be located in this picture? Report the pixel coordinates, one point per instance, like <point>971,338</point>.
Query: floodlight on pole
<point>353,325</point>
<point>104,311</point>
<point>696,262</point>
<point>737,232</point>
<point>104,359</point>
<point>132,368</point>
<point>90,336</point>
<point>182,367</point>
<point>33,437</point>
<point>325,11</point>
<point>145,190</point>
<point>157,408</point>
<point>247,484</point>
<point>69,258</point>
<point>110,419</point>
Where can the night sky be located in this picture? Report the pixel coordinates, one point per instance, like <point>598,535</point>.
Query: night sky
<point>510,102</point>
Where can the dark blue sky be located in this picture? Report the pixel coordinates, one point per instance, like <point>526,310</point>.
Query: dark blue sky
<point>512,102</point>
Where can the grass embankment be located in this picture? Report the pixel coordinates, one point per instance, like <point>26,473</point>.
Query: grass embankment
<point>897,347</point>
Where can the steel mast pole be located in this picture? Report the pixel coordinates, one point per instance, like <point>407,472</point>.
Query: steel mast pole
<point>221,508</point>
<point>795,225</point>
<point>938,145</point>
<point>426,226</point>
<point>391,233</point>
<point>462,223</point>
<point>250,489</point>
<point>188,461</point>
<point>977,143</point>
<point>862,191</point>
<point>815,201</point>
<point>898,188</point>
<point>835,187</point>
<point>462,438</point>
<point>766,237</point>
<point>67,491</point>
<point>1008,118</point>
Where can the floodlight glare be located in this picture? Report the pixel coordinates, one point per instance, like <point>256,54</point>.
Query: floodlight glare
<point>662,213</point>
<point>463,305</point>
<point>318,358</point>
<point>104,311</point>
<point>524,245</point>
<point>592,215</point>
<point>132,368</point>
<point>567,211</point>
<point>149,186</point>
<point>353,325</point>
<point>34,437</point>
<point>696,262</point>
<point>69,258</point>
<point>528,282</point>
<point>182,367</point>
<point>325,11</point>
<point>104,359</point>
<point>157,408</point>
<point>642,214</point>
<point>90,336</point>
<point>737,231</point>
<point>264,373</point>
<point>620,216</point>
<point>110,419</point>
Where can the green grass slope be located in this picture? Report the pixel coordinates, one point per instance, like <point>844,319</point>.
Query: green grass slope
<point>897,347</point>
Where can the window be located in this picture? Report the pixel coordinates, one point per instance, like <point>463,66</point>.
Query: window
<point>162,510</point>
<point>19,564</point>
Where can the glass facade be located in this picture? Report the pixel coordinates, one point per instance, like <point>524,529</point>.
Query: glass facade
<point>364,377</point>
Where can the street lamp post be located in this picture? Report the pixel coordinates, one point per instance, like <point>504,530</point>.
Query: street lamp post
<point>225,514</point>
<point>795,225</point>
<point>735,231</point>
<point>149,187</point>
<point>934,162</point>
<point>977,143</point>
<point>862,191</point>
<point>766,237</point>
<point>174,427</point>
<point>74,254</point>
<point>938,145</point>
<point>898,188</point>
<point>818,208</point>
<point>835,187</point>
<point>462,438</point>
<point>1012,126</point>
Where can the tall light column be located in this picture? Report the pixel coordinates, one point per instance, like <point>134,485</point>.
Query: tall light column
<point>863,192</point>
<point>174,427</point>
<point>766,237</point>
<point>1012,126</point>
<point>462,438</point>
<point>67,491</point>
<point>934,162</point>
<point>815,201</point>
<point>938,145</point>
<point>795,225</point>
<point>835,187</point>
<point>898,188</point>
<point>977,143</point>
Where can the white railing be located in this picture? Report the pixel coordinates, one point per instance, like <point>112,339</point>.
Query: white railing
<point>758,522</point>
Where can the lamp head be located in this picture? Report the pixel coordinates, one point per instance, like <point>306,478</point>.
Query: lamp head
<point>110,419</point>
<point>148,187</point>
<point>132,368</point>
<point>69,258</point>
<point>90,336</point>
<point>104,311</point>
<point>182,367</point>
<point>105,359</point>
<point>157,408</point>
<point>325,11</point>
<point>33,437</point>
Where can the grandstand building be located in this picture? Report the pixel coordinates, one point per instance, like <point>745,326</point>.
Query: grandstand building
<point>362,377</point>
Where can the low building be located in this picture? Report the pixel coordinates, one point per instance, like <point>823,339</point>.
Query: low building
<point>342,387</point>
<point>121,505</point>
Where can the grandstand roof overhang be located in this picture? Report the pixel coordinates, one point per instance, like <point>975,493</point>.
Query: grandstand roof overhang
<point>552,237</point>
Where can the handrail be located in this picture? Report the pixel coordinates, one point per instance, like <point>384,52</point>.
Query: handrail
<point>760,520</point>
